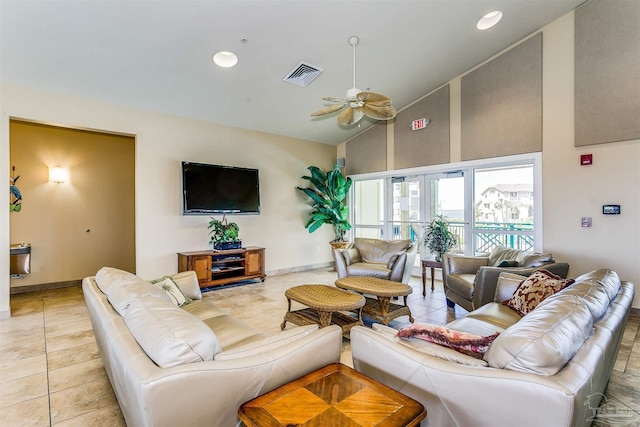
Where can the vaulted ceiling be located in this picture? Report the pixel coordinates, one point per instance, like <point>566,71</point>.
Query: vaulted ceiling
<point>156,55</point>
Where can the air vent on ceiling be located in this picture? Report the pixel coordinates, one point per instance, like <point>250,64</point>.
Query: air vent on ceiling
<point>303,74</point>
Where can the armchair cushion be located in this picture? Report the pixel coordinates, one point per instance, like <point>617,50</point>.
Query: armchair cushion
<point>381,251</point>
<point>507,263</point>
<point>351,256</point>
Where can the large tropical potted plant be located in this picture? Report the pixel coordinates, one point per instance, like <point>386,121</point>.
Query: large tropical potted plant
<point>328,193</point>
<point>438,238</point>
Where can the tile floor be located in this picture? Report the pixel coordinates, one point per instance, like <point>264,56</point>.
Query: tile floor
<point>51,373</point>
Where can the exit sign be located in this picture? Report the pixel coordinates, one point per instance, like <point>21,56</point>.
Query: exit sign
<point>419,124</point>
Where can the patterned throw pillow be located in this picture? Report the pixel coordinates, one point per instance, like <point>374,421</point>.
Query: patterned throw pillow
<point>535,289</point>
<point>172,290</point>
<point>470,344</point>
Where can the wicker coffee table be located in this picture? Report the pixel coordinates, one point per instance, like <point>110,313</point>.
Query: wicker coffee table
<point>324,306</point>
<point>379,308</point>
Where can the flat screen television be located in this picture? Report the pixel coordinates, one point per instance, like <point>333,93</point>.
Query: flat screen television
<point>210,189</point>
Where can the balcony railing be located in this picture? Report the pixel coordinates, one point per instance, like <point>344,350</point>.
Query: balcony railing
<point>487,235</point>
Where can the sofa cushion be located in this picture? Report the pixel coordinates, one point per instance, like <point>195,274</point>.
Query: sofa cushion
<point>532,291</point>
<point>378,250</point>
<point>369,269</point>
<point>169,335</point>
<point>266,344</point>
<point>543,341</point>
<point>172,290</point>
<point>429,348</point>
<point>608,279</point>
<point>351,256</point>
<point>595,290</point>
<point>533,260</point>
<point>187,281</point>
<point>121,295</point>
<point>464,342</point>
<point>524,258</point>
<point>107,276</point>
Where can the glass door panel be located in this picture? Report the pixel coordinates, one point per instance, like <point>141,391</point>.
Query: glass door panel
<point>447,199</point>
<point>406,215</point>
<point>503,208</point>
<point>368,208</point>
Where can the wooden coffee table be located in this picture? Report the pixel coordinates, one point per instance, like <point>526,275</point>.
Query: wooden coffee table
<point>324,306</point>
<point>335,395</point>
<point>379,308</point>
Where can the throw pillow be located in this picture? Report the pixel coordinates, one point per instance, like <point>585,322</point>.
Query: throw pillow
<point>464,342</point>
<point>174,292</point>
<point>532,291</point>
<point>507,263</point>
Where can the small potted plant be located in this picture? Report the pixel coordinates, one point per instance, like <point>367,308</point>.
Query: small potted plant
<point>224,235</point>
<point>438,238</point>
<point>328,193</point>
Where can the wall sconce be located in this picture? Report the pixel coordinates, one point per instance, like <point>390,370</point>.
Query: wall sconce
<point>58,174</point>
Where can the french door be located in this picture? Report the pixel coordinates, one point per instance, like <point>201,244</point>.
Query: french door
<point>487,205</point>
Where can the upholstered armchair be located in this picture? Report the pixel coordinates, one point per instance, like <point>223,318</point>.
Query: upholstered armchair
<point>470,281</point>
<point>384,259</point>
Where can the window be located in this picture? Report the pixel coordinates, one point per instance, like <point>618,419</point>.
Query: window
<point>488,203</point>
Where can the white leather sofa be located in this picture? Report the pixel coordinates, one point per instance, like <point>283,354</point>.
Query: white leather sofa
<point>548,368</point>
<point>192,365</point>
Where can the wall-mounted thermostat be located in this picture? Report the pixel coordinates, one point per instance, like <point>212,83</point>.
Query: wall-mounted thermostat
<point>611,209</point>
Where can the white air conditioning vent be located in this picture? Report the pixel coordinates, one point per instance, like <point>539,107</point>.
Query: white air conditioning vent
<point>303,74</point>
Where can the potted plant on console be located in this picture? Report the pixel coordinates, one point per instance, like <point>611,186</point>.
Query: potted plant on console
<point>328,193</point>
<point>224,235</point>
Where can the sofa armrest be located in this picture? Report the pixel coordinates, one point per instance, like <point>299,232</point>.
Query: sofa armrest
<point>397,269</point>
<point>459,264</point>
<point>484,287</point>
<point>340,263</point>
<point>401,269</point>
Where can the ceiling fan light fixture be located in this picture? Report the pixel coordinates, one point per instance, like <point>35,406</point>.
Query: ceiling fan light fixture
<point>358,104</point>
<point>489,20</point>
<point>225,59</point>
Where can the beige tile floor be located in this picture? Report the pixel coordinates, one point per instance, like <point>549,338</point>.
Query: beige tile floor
<point>51,373</point>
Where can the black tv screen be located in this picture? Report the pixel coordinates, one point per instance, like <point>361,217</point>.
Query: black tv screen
<point>210,189</point>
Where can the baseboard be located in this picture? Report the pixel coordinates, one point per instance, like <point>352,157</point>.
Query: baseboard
<point>299,269</point>
<point>45,286</point>
<point>635,311</point>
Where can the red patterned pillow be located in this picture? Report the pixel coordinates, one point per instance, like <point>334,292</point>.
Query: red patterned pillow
<point>470,344</point>
<point>535,289</point>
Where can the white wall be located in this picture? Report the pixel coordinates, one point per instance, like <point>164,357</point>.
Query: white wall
<point>162,142</point>
<point>571,191</point>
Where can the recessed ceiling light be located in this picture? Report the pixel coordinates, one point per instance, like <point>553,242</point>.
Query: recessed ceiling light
<point>225,59</point>
<point>489,20</point>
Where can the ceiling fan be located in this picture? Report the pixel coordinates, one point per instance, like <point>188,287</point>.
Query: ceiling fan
<point>359,104</point>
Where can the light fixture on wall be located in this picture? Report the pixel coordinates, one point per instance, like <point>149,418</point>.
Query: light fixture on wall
<point>58,174</point>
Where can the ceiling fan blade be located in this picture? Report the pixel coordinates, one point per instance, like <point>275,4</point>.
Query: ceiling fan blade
<point>377,112</point>
<point>328,110</point>
<point>335,99</point>
<point>374,97</point>
<point>350,116</point>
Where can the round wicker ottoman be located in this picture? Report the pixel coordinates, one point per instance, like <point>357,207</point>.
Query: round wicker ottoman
<point>379,308</point>
<point>324,306</point>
